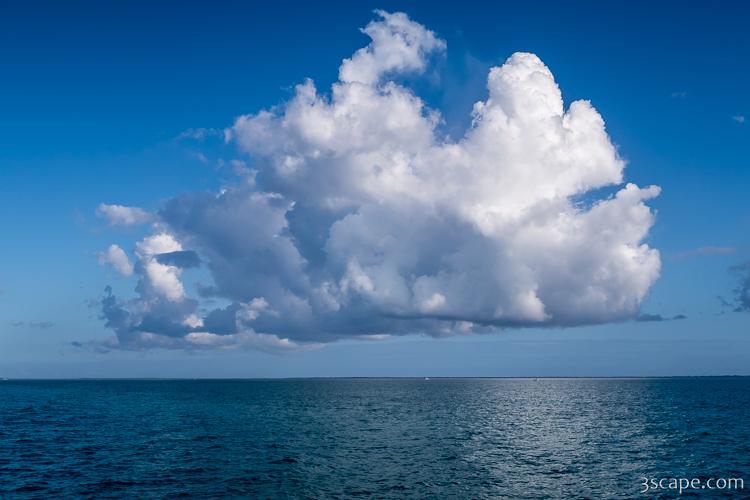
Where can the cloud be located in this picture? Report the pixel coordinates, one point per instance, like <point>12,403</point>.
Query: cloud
<point>739,119</point>
<point>355,216</point>
<point>398,45</point>
<point>197,341</point>
<point>679,95</point>
<point>119,215</point>
<point>151,322</point>
<point>41,324</point>
<point>741,299</point>
<point>118,259</point>
<point>158,278</point>
<point>34,324</point>
<point>198,134</point>
<point>703,251</point>
<point>182,258</point>
<point>647,317</point>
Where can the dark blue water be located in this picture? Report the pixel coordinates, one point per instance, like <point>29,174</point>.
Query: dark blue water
<point>386,438</point>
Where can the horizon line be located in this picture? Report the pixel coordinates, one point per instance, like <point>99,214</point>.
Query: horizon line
<point>415,377</point>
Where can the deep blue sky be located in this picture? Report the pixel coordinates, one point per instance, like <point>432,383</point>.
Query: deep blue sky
<point>93,95</point>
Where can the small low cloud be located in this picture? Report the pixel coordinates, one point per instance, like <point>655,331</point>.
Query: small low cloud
<point>120,215</point>
<point>704,251</point>
<point>199,134</point>
<point>97,347</point>
<point>648,317</point>
<point>43,325</point>
<point>739,119</point>
<point>679,95</point>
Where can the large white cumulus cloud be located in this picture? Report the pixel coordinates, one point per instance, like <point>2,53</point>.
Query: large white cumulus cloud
<point>360,218</point>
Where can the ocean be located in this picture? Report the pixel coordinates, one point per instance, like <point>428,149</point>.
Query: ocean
<point>379,438</point>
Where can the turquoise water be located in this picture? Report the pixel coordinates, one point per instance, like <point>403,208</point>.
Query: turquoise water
<point>384,438</point>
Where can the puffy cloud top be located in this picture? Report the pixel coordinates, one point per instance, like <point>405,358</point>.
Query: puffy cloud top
<point>398,44</point>
<point>359,219</point>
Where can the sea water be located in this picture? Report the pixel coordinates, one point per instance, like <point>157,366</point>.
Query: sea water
<point>382,438</point>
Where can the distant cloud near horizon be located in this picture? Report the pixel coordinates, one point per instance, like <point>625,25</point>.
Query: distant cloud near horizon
<point>742,291</point>
<point>647,317</point>
<point>33,324</point>
<point>358,218</point>
<point>702,251</point>
<point>41,324</point>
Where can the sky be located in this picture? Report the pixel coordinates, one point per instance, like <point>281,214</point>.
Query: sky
<point>387,189</point>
